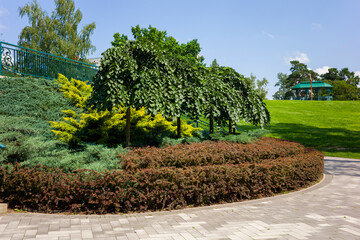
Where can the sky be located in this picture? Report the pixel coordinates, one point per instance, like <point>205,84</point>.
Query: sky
<point>258,37</point>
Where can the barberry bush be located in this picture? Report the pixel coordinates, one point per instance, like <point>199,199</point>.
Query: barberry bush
<point>214,173</point>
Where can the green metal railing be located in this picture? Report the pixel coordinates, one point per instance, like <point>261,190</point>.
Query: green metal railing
<point>28,62</point>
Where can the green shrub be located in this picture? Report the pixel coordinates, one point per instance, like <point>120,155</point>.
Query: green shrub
<point>105,127</point>
<point>245,137</point>
<point>55,154</point>
<point>166,142</point>
<point>75,90</point>
<point>32,97</point>
<point>26,133</point>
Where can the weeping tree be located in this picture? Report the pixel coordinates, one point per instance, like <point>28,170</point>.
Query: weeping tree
<point>214,97</point>
<point>156,72</point>
<point>230,99</point>
<point>222,102</point>
<point>131,74</point>
<point>182,93</point>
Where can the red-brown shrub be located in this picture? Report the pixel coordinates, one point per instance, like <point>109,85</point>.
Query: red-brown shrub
<point>269,166</point>
<point>205,153</point>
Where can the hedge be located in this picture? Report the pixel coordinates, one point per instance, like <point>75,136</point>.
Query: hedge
<point>209,152</point>
<point>163,187</point>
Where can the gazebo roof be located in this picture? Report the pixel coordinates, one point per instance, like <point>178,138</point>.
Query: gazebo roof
<point>315,84</point>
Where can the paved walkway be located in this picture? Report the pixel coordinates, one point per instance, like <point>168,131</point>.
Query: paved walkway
<point>329,210</point>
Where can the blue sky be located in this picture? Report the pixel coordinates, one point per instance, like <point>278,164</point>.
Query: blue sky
<point>258,37</point>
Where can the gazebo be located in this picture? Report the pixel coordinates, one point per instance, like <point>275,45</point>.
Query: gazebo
<point>320,91</point>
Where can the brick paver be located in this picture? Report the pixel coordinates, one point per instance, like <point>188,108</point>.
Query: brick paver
<point>328,210</point>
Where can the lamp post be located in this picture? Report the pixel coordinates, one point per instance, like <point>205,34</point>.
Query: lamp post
<point>311,95</point>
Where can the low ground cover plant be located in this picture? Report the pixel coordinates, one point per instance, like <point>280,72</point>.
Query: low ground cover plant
<point>26,107</point>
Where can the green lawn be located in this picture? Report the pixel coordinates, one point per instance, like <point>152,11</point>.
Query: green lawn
<point>330,126</point>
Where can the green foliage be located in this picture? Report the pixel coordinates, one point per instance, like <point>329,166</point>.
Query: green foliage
<point>34,97</point>
<point>245,137</point>
<point>176,83</point>
<point>169,44</point>
<point>57,34</point>
<point>189,87</point>
<point>261,87</point>
<point>29,145</point>
<point>54,154</point>
<point>130,76</point>
<point>93,157</point>
<point>75,90</point>
<point>299,73</point>
<point>183,85</point>
<point>345,84</point>
<point>229,97</point>
<point>105,127</point>
<point>166,142</point>
<point>221,98</point>
<point>154,72</point>
<point>108,127</point>
<point>344,91</point>
<point>26,106</point>
<point>284,92</point>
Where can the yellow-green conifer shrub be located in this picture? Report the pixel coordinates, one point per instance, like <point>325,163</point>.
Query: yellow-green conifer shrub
<point>75,90</point>
<point>105,127</point>
<point>66,130</point>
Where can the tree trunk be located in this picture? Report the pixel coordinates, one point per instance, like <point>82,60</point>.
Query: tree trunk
<point>128,112</point>
<point>234,131</point>
<point>211,122</point>
<point>230,126</point>
<point>178,123</point>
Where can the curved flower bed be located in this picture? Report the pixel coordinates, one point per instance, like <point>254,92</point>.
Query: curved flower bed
<point>169,178</point>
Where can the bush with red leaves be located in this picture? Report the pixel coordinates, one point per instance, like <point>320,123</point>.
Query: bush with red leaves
<point>170,178</point>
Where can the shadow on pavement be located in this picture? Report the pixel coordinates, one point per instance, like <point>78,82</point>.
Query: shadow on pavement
<point>342,167</point>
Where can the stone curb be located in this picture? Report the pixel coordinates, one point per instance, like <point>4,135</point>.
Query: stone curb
<point>3,208</point>
<point>341,159</point>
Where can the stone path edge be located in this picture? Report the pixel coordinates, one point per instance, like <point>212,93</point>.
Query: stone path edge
<point>341,158</point>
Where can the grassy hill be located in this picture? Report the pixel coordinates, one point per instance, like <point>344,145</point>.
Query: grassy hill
<point>329,126</point>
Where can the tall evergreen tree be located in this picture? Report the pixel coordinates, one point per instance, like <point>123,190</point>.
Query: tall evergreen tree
<point>299,73</point>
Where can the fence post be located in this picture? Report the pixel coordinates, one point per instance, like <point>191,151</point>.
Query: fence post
<point>1,51</point>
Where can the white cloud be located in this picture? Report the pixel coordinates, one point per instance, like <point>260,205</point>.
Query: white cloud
<point>316,26</point>
<point>3,11</point>
<point>3,26</point>
<point>322,70</point>
<point>269,35</point>
<point>357,73</point>
<point>299,56</point>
